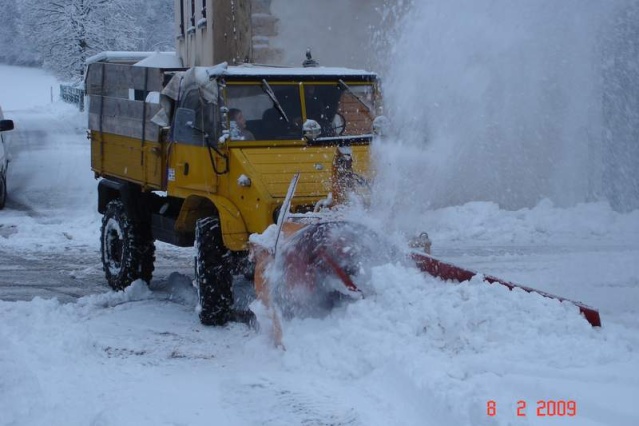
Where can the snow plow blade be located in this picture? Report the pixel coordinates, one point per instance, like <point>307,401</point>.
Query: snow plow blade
<point>450,272</point>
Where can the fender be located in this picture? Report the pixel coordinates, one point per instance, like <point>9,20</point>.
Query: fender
<point>108,190</point>
<point>135,201</point>
<point>234,233</point>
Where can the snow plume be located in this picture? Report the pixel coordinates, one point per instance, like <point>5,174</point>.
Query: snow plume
<point>502,101</point>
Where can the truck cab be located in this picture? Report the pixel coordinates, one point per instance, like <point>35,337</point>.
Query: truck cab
<point>292,122</point>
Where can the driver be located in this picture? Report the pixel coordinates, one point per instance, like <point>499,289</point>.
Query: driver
<point>238,126</point>
<point>320,106</point>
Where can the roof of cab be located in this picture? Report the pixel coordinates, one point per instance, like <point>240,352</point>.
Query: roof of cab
<point>257,72</point>
<point>244,72</point>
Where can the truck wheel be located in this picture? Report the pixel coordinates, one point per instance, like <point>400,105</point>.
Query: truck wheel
<point>127,251</point>
<point>3,190</point>
<point>213,273</point>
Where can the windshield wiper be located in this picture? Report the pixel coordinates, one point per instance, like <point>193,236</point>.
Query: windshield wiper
<point>349,90</point>
<point>269,91</point>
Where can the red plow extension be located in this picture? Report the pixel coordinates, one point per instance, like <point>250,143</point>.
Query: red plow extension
<point>450,272</point>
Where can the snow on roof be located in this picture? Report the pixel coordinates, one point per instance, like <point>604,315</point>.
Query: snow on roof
<point>160,60</point>
<point>203,74</point>
<point>126,57</point>
<point>257,70</point>
<point>171,60</point>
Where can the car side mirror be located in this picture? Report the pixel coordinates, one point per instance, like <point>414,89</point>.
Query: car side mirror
<point>224,115</point>
<point>6,125</point>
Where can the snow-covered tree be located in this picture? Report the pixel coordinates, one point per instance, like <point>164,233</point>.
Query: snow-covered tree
<point>67,32</point>
<point>64,33</point>
<point>155,19</point>
<point>14,47</point>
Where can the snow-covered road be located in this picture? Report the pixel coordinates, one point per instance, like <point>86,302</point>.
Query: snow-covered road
<point>421,352</point>
<point>51,220</point>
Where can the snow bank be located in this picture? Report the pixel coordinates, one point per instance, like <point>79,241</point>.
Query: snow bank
<point>485,222</point>
<point>443,341</point>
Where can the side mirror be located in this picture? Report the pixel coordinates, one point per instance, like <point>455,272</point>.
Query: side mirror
<point>224,113</point>
<point>6,125</point>
<point>311,130</point>
<point>184,126</point>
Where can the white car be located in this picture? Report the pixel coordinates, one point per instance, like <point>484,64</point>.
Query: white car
<point>5,125</point>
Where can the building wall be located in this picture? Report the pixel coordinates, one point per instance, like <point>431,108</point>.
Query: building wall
<point>339,32</point>
<point>213,31</point>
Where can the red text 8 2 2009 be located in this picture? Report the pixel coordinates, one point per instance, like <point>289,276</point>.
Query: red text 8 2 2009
<point>543,408</point>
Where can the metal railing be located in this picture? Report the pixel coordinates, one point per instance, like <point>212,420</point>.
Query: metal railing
<point>73,95</point>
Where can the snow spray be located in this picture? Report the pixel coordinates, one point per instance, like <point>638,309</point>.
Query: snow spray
<point>511,102</point>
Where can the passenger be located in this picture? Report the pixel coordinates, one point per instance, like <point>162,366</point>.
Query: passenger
<point>238,126</point>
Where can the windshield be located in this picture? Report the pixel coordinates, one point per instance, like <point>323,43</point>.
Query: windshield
<point>253,115</point>
<point>341,110</point>
<point>273,111</point>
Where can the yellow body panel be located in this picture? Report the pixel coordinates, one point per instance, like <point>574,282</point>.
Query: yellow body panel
<point>248,209</point>
<point>128,158</point>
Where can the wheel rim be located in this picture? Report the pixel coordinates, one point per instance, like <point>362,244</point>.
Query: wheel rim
<point>113,246</point>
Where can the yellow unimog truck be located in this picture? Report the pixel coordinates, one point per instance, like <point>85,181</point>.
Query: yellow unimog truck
<point>204,156</point>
